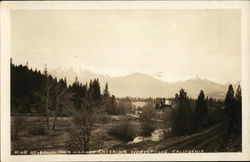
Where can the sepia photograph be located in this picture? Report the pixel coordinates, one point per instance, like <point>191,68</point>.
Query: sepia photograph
<point>125,81</point>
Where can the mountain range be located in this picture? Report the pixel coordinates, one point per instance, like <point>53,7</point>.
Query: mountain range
<point>143,85</point>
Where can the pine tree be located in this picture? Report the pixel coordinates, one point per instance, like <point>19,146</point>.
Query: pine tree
<point>85,101</point>
<point>238,110</point>
<point>229,101</point>
<point>201,110</point>
<point>79,92</point>
<point>182,120</point>
<point>90,91</point>
<point>106,91</point>
<point>230,109</point>
<point>96,90</point>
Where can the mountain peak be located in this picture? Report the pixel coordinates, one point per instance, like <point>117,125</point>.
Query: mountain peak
<point>197,77</point>
<point>137,74</point>
<point>140,84</point>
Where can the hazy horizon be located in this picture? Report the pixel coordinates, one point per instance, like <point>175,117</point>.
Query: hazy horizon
<point>179,43</point>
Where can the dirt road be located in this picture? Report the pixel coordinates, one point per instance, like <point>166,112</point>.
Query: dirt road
<point>207,141</point>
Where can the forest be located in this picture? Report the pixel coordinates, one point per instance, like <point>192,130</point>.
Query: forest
<point>50,115</point>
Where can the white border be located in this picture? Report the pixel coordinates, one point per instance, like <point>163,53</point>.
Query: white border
<point>6,7</point>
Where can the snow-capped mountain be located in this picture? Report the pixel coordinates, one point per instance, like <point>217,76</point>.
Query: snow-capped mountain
<point>73,72</point>
<point>169,77</point>
<point>194,85</point>
<point>142,85</point>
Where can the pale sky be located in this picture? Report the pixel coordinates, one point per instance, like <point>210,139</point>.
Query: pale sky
<point>180,43</point>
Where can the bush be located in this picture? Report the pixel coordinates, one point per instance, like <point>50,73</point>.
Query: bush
<point>124,131</point>
<point>147,129</point>
<point>38,129</point>
<point>123,106</point>
<point>148,112</point>
<point>80,134</point>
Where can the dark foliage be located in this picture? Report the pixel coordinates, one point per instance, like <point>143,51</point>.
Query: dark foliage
<point>148,112</point>
<point>190,116</point>
<point>31,90</point>
<point>86,100</point>
<point>110,105</point>
<point>113,107</point>
<point>233,110</point>
<point>182,124</point>
<point>124,131</point>
<point>201,112</point>
<point>24,82</point>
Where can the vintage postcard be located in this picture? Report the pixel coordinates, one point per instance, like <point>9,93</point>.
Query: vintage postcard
<point>125,81</point>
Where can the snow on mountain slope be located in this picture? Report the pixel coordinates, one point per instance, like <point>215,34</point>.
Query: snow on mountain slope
<point>142,85</point>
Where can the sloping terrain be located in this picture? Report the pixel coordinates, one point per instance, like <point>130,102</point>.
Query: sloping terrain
<point>209,140</point>
<point>143,85</point>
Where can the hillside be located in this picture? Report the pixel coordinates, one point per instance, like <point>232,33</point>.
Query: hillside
<point>143,85</point>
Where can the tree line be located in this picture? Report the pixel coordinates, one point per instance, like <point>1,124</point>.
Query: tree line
<point>192,116</point>
<point>38,93</point>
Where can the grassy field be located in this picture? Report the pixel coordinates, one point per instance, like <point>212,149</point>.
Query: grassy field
<point>31,140</point>
<point>33,137</point>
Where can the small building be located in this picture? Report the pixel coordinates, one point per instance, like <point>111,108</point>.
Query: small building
<point>161,103</point>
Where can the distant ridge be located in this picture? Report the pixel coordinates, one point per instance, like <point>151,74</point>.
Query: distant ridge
<point>143,85</point>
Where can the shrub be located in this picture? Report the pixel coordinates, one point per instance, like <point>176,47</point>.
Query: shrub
<point>148,112</point>
<point>79,135</point>
<point>147,129</point>
<point>79,139</point>
<point>124,131</point>
<point>123,106</point>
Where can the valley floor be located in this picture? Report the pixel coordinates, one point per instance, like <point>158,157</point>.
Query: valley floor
<point>56,141</point>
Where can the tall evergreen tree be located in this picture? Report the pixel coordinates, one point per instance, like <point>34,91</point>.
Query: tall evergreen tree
<point>201,110</point>
<point>79,92</point>
<point>106,90</point>
<point>94,90</point>
<point>97,90</point>
<point>229,100</point>
<point>182,120</point>
<point>230,109</point>
<point>238,110</point>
